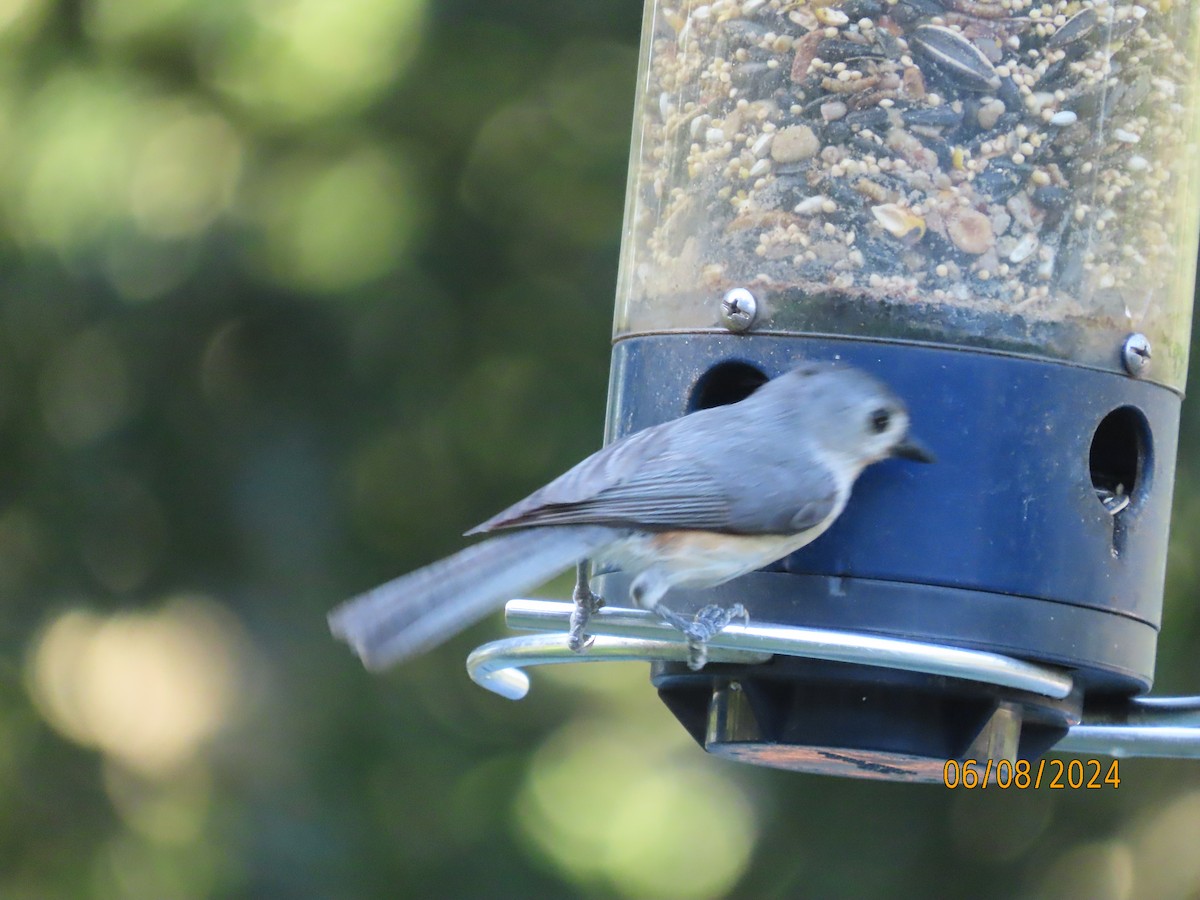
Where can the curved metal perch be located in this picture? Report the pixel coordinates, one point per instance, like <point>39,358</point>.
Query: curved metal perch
<point>1148,726</point>
<point>498,666</point>
<point>635,634</point>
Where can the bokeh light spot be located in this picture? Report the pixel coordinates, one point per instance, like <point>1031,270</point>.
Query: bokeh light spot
<point>21,18</point>
<point>76,147</point>
<point>185,174</point>
<point>148,689</point>
<point>98,152</point>
<point>654,827</point>
<point>335,225</point>
<point>1000,826</point>
<point>1164,847</point>
<point>296,60</point>
<point>1099,870</point>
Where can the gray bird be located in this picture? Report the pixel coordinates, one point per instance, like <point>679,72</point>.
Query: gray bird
<point>694,503</point>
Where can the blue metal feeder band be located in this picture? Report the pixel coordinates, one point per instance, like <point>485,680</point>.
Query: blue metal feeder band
<point>1003,545</point>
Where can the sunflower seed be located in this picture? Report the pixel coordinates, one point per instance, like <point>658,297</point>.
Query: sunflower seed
<point>956,55</point>
<point>1076,27</point>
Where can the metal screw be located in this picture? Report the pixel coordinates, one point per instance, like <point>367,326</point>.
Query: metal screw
<point>738,309</point>
<point>1135,354</point>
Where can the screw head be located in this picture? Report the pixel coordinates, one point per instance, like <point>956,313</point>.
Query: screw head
<point>1135,354</point>
<point>738,309</point>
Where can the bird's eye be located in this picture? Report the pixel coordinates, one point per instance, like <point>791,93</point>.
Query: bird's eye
<point>880,420</point>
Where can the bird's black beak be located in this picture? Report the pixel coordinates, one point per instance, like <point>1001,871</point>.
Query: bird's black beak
<point>911,448</point>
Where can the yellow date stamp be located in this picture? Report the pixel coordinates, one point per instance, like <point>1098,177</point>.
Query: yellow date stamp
<point>1022,775</point>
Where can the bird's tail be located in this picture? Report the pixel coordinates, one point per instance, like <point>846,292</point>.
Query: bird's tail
<point>416,611</point>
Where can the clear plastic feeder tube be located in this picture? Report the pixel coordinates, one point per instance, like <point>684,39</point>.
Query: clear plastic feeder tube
<point>998,175</point>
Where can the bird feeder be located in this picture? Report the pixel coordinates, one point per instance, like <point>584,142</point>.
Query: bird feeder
<point>992,206</point>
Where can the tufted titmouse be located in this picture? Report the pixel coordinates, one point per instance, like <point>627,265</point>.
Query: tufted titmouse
<point>693,502</point>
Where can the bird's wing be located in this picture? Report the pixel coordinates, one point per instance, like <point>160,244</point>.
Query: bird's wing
<point>640,480</point>
<point>667,477</point>
<point>786,500</point>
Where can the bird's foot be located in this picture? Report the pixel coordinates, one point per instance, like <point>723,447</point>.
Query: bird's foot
<point>706,624</point>
<point>586,605</point>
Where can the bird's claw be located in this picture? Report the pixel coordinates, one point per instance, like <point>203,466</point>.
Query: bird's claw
<point>578,640</point>
<point>710,621</point>
<point>586,605</point>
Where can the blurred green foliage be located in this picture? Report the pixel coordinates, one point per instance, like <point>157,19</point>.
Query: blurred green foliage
<point>291,293</point>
